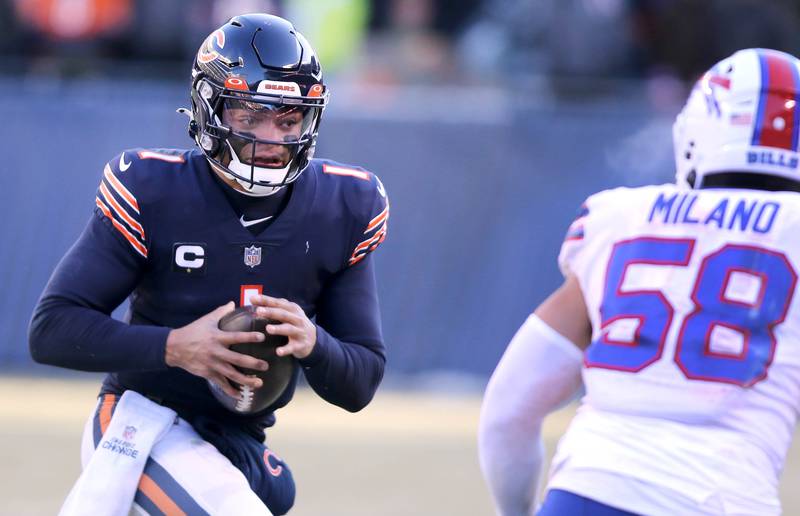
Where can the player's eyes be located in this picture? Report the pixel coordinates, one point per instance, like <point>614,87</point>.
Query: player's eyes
<point>288,122</point>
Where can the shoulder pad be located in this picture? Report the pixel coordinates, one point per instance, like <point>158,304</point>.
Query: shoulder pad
<point>141,170</point>
<point>597,217</point>
<point>366,201</point>
<point>121,194</point>
<point>131,159</point>
<point>577,232</point>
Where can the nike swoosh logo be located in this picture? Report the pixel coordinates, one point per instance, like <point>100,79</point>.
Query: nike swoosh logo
<point>247,223</point>
<point>122,165</point>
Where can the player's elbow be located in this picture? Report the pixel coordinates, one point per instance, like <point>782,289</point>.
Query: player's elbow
<point>42,334</point>
<point>37,338</point>
<point>498,419</point>
<point>353,400</point>
<point>358,402</point>
<point>362,397</point>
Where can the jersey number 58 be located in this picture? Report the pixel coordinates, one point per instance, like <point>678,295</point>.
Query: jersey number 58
<point>765,282</point>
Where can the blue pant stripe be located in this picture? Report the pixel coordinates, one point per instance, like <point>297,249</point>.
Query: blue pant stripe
<point>147,504</point>
<point>97,431</point>
<point>172,488</point>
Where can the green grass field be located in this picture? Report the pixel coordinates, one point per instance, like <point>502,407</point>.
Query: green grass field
<point>405,454</point>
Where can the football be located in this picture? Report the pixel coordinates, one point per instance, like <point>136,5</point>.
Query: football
<point>275,378</point>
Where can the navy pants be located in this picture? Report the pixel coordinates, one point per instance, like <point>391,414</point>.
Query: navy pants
<point>269,477</point>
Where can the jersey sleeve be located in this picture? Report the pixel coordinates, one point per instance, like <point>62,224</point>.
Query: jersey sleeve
<point>116,200</point>
<point>347,363</point>
<point>574,241</point>
<point>372,219</point>
<point>598,222</point>
<point>71,325</point>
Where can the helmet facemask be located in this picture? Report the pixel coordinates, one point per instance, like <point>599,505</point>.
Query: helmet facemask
<point>262,141</point>
<point>257,101</point>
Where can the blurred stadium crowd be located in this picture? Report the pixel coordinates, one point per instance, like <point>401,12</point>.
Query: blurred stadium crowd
<point>500,87</point>
<point>421,41</point>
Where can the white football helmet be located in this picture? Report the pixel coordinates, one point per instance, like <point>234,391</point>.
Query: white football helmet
<point>741,116</point>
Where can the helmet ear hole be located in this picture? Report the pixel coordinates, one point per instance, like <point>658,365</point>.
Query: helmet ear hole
<point>209,143</point>
<point>205,90</point>
<point>691,177</point>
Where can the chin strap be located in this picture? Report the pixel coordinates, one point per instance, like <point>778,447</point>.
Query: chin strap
<point>244,191</point>
<point>236,184</point>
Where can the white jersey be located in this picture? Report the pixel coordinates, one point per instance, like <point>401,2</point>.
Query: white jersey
<point>693,374</point>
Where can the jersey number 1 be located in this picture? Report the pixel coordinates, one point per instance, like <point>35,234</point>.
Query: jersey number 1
<point>740,294</point>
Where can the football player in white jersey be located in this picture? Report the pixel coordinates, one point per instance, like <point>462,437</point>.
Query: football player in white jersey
<point>679,315</point>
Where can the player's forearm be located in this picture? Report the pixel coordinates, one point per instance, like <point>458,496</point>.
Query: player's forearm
<point>539,371</point>
<point>344,373</point>
<point>511,460</point>
<point>65,334</point>
<point>347,362</point>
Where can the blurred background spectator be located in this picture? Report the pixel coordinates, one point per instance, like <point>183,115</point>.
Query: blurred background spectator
<point>420,41</point>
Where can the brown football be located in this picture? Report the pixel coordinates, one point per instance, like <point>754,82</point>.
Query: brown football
<point>276,378</point>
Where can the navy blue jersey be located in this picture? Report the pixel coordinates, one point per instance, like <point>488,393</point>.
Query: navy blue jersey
<point>164,235</point>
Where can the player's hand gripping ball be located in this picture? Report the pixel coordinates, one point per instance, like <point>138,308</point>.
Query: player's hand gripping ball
<point>275,378</point>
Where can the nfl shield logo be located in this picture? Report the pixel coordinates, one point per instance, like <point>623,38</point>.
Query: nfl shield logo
<point>129,433</point>
<point>252,256</point>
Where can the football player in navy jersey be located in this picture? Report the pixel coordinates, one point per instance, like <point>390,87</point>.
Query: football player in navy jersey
<point>248,217</point>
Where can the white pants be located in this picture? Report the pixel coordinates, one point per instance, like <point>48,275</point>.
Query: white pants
<point>184,474</point>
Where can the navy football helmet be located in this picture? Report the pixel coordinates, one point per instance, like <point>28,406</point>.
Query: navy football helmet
<point>257,101</point>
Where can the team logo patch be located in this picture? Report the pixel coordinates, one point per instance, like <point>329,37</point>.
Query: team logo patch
<point>129,433</point>
<point>287,89</point>
<point>252,256</point>
<point>208,52</point>
<point>275,471</point>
